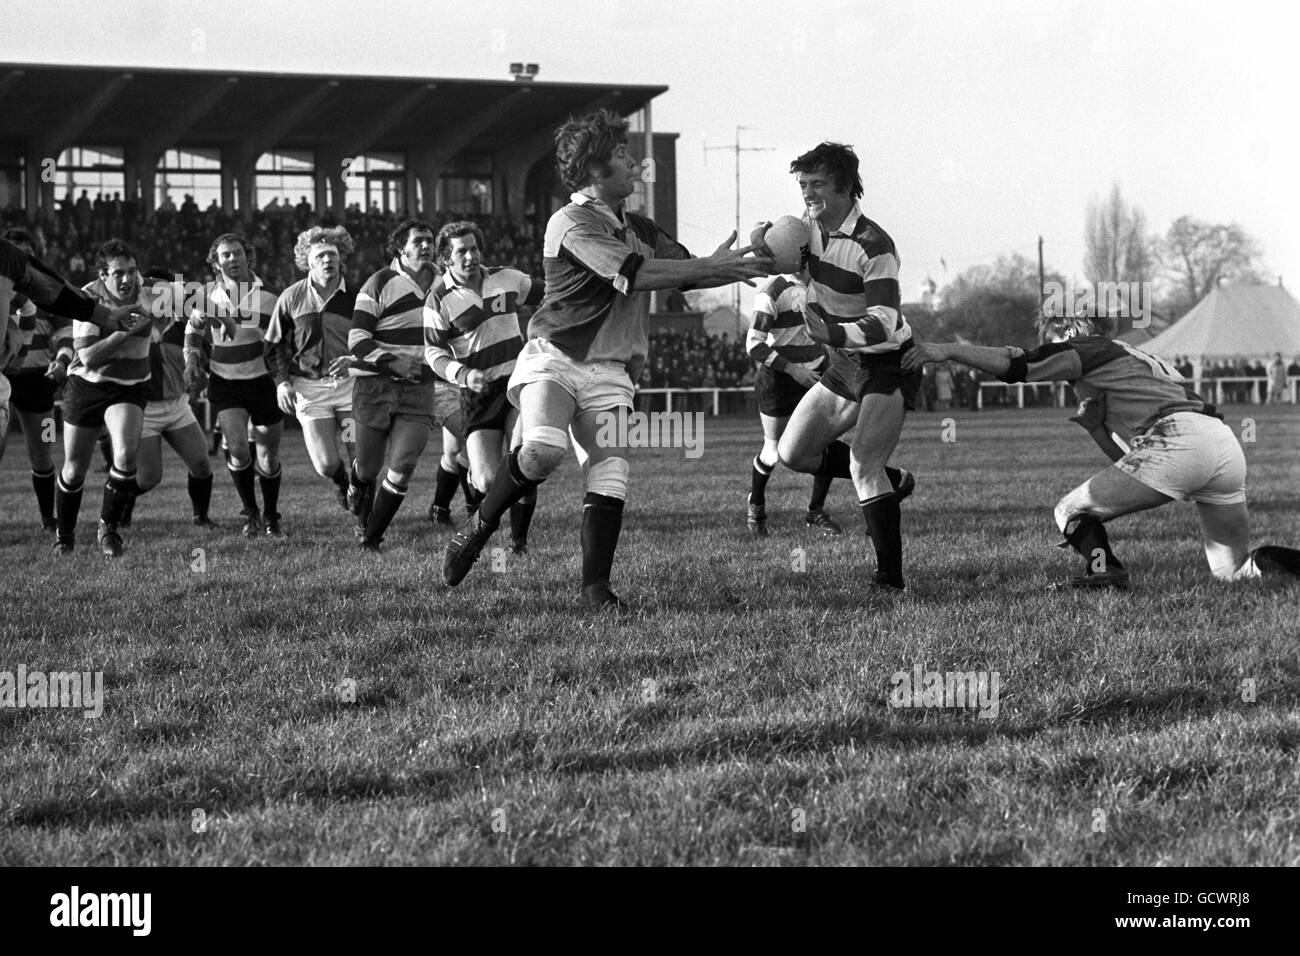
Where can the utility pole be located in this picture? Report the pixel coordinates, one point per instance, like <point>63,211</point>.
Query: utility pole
<point>1042,285</point>
<point>737,149</point>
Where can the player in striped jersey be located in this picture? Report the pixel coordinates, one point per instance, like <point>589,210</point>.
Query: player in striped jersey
<point>472,337</point>
<point>36,372</point>
<point>308,332</point>
<point>789,363</point>
<point>588,343</point>
<point>1178,447</point>
<point>393,396</point>
<point>852,305</point>
<point>240,388</point>
<point>168,414</point>
<point>21,273</point>
<point>108,384</point>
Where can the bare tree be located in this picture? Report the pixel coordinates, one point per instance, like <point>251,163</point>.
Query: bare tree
<point>1196,256</point>
<point>1115,235</point>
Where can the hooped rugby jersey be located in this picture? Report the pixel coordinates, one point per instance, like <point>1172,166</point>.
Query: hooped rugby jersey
<point>590,257</point>
<point>250,303</point>
<point>388,321</point>
<point>1139,387</point>
<point>167,363</point>
<point>44,336</point>
<point>778,338</point>
<point>308,332</point>
<point>853,284</point>
<point>466,329</point>
<point>128,365</point>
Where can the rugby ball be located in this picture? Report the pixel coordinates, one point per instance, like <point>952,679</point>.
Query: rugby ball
<point>788,241</point>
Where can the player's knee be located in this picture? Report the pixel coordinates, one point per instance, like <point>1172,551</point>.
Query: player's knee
<point>608,477</point>
<point>1068,509</point>
<point>543,450</point>
<point>201,471</point>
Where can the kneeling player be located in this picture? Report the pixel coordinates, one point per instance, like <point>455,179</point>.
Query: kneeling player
<point>108,384</point>
<point>472,337</point>
<point>1179,447</point>
<point>789,363</point>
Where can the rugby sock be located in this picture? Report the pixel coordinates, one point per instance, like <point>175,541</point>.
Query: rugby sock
<point>388,498</point>
<point>200,495</point>
<point>67,503</point>
<point>1087,535</point>
<point>270,492</point>
<point>602,519</point>
<point>521,517</point>
<point>43,485</point>
<point>119,489</point>
<point>243,479</point>
<point>361,494</point>
<point>883,527</point>
<point>759,473</point>
<point>509,487</point>
<point>821,485</point>
<point>473,498</point>
<point>340,478</point>
<point>835,464</point>
<point>444,487</point>
<point>128,513</point>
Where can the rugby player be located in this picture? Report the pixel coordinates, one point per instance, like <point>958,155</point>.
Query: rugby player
<point>472,338</point>
<point>43,352</point>
<point>21,273</point>
<point>1178,447</point>
<point>240,387</point>
<point>168,414</point>
<point>308,332</point>
<point>393,396</point>
<point>852,305</point>
<point>588,342</point>
<point>108,385</point>
<point>789,363</point>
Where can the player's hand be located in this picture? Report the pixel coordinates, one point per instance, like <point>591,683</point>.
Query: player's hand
<point>285,397</point>
<point>194,377</point>
<point>804,376</point>
<point>922,353</point>
<point>756,238</point>
<point>736,265</point>
<point>124,318</point>
<point>818,329</point>
<point>342,366</point>
<point>1091,413</point>
<point>476,381</point>
<point>57,372</point>
<point>226,326</point>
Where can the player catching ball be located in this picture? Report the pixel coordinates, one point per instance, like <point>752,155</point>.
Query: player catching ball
<point>588,343</point>
<point>1178,446</point>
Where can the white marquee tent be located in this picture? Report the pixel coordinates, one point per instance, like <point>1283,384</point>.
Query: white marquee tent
<point>1247,321</point>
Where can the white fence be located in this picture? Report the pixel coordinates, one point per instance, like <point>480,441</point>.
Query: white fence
<point>1210,389</point>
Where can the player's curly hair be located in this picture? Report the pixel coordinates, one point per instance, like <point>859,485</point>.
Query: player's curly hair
<point>397,238</point>
<point>250,251</point>
<point>336,236</point>
<point>113,249</point>
<point>454,230</point>
<point>839,161</point>
<point>581,144</point>
<point>1069,326</point>
<point>21,237</point>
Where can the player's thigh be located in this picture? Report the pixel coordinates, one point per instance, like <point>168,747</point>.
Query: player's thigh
<point>773,426</point>
<point>406,443</point>
<point>37,427</point>
<point>148,464</point>
<point>123,422</point>
<point>78,448</point>
<point>267,438</point>
<point>320,437</point>
<point>880,422</point>
<point>1225,532</point>
<point>234,428</point>
<point>372,446</point>
<point>545,404</point>
<point>191,445</point>
<point>1109,494</point>
<point>597,432</point>
<point>484,447</point>
<point>819,419</point>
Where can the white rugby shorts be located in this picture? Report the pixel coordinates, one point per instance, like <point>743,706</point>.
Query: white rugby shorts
<point>321,397</point>
<point>1189,456</point>
<point>166,416</point>
<point>593,385</point>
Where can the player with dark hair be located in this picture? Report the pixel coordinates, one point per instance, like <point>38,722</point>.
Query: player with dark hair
<point>22,273</point>
<point>168,414</point>
<point>789,364</point>
<point>108,384</point>
<point>852,305</point>
<point>1178,447</point>
<point>307,333</point>
<point>393,397</point>
<point>472,337</point>
<point>39,365</point>
<point>231,320</point>
<point>588,342</point>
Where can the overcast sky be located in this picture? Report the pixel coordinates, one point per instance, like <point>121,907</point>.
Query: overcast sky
<point>981,124</point>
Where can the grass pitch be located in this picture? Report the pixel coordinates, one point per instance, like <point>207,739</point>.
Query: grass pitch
<point>306,703</point>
